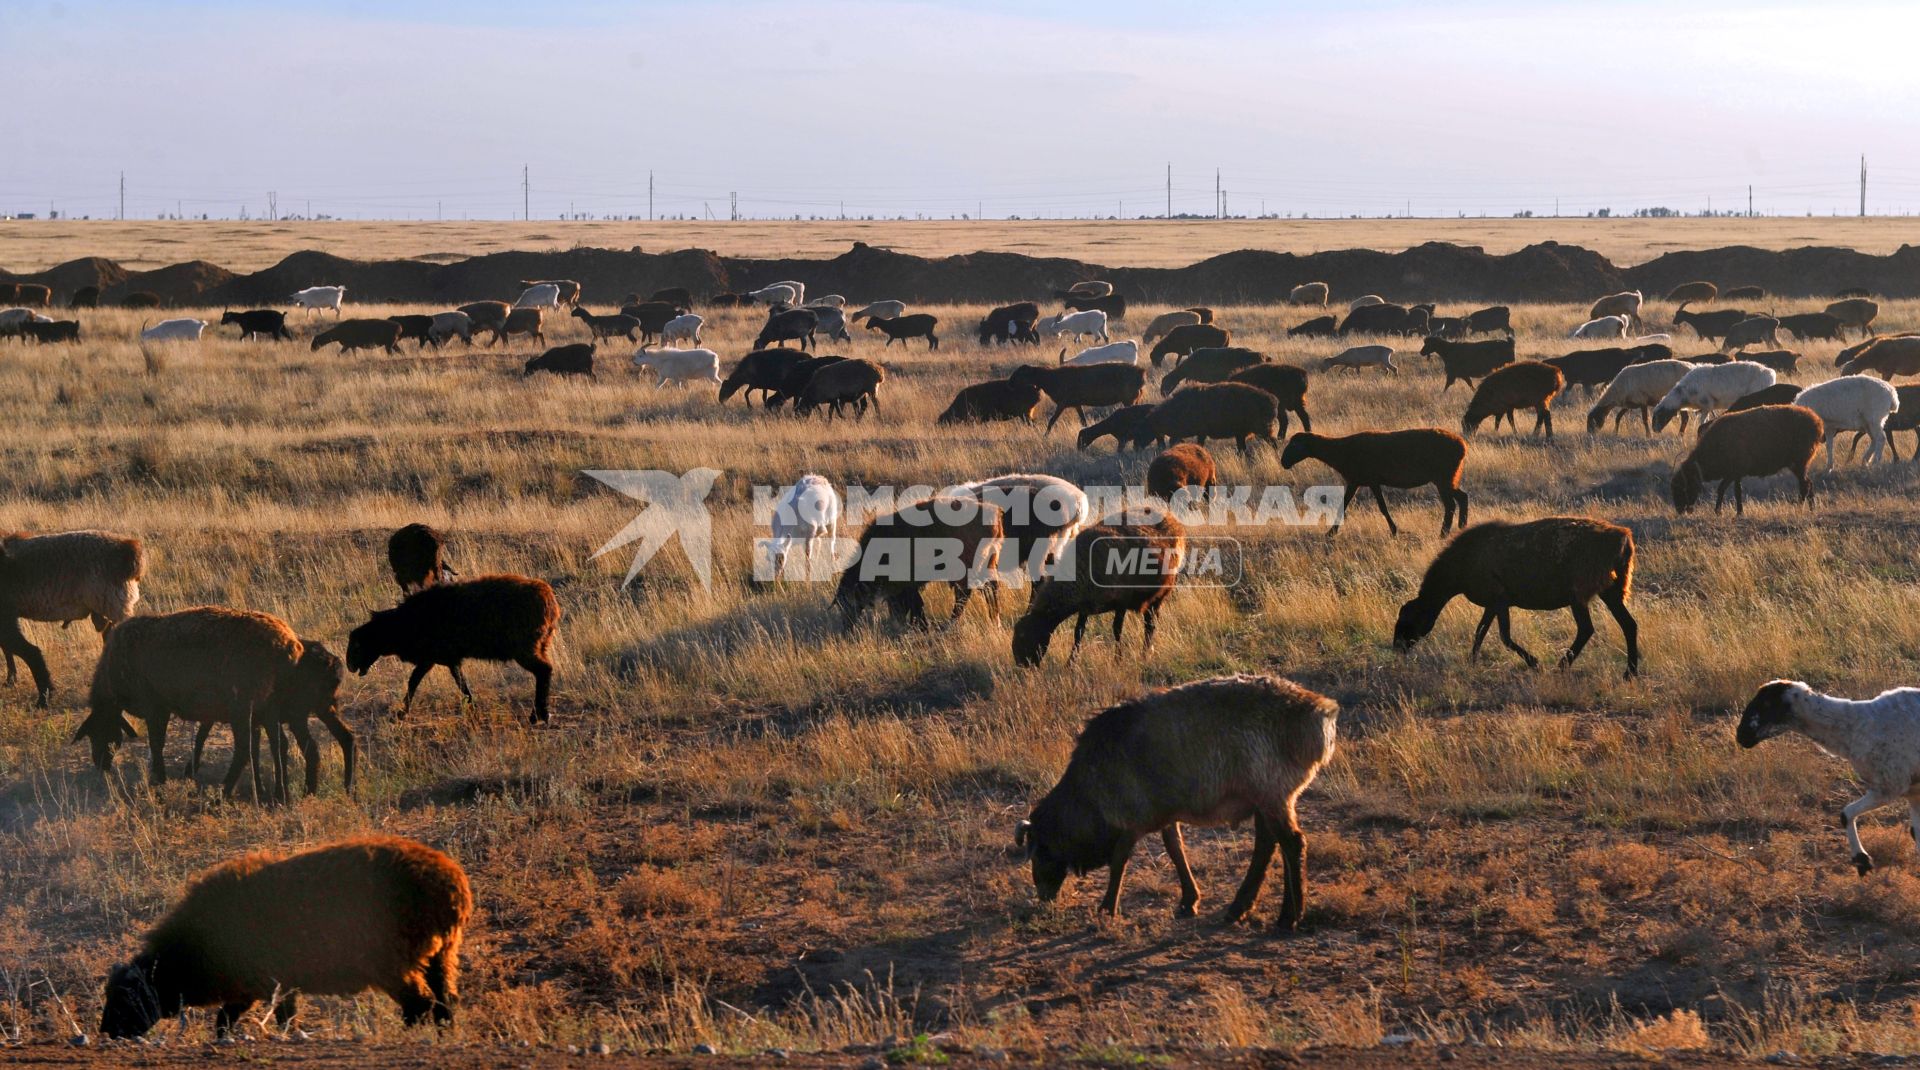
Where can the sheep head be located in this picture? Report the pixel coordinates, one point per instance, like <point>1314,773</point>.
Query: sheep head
<point>370,642</point>
<point>1769,713</point>
<point>104,728</point>
<point>131,1005</point>
<point>1686,486</point>
<point>1031,634</point>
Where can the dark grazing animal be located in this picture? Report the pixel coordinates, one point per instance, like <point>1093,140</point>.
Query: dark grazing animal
<point>268,321</point>
<point>1693,293</point>
<point>1527,384</point>
<point>417,555</point>
<point>1114,305</point>
<point>618,325</point>
<point>1385,318</point>
<point>1286,382</point>
<point>1010,323</point>
<point>1589,368</point>
<point>489,618</point>
<point>996,399</point>
<point>791,325</point>
<point>1213,752</point>
<point>362,334</point>
<point>678,296</point>
<point>57,331</point>
<point>653,316</point>
<point>1489,320</point>
<point>763,370</point>
<point>1784,361</point>
<point>1123,424</point>
<point>1210,366</point>
<point>1188,337</point>
<point>1217,410</point>
<point>313,691</point>
<point>141,299</point>
<point>487,315</point>
<point>1812,326</point>
<point>1083,386</point>
<point>1756,442</point>
<point>895,547</point>
<point>85,297</point>
<point>417,327</point>
<point>29,295</point>
<point>1399,459</point>
<point>1180,467</point>
<point>1318,327</point>
<point>62,577</point>
<point>840,383</point>
<point>1128,562</point>
<point>1561,562</point>
<point>913,325</point>
<point>1711,326</point>
<point>796,380</point>
<point>1777,394</point>
<point>1744,293</point>
<point>528,321</point>
<point>1467,361</point>
<point>574,359</point>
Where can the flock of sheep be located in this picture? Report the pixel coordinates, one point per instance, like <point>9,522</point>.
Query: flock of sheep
<point>1136,769</point>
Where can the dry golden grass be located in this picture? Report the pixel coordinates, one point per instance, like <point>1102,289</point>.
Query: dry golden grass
<point>751,830</point>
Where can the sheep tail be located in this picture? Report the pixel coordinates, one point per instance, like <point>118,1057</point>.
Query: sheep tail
<point>1623,568</point>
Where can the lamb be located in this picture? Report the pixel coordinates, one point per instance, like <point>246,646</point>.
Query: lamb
<point>1561,562</point>
<point>619,325</point>
<point>417,327</point>
<point>1588,368</point>
<point>653,316</point>
<point>486,316</point>
<point>527,321</point>
<point>1603,327</point>
<point>1855,312</point>
<point>1209,366</point>
<point>1709,389</point>
<point>1078,324</point>
<point>775,295</point>
<point>312,691</point>
<point>1851,403</point>
<point>31,294</point>
<point>1384,319</point>
<point>1638,386</point>
<point>790,325</point>
<point>268,321</point>
<point>1286,382</point>
<point>1624,305</point>
<point>1527,384</point>
<point>1009,323</point>
<point>1216,410</point>
<point>1127,352</point>
<point>1365,301</point>
<point>1213,752</point>
<point>489,618</point>
<point>1114,305</point>
<point>1777,394</point>
<point>370,912</point>
<point>566,291</point>
<point>174,330</point>
<point>1088,288</point>
<point>1126,563</point>
<point>52,331</point>
<point>995,399</point>
<point>1782,361</point>
<point>1756,442</point>
<point>1124,424</point>
<point>61,577</point>
<point>940,539</point>
<point>1745,293</point>
<point>794,382</point>
<point>1876,736</point>
<point>1751,331</point>
<point>1886,357</point>
<point>315,298</point>
<point>843,382</point>
<point>807,512</point>
<point>1318,327</point>
<point>1812,326</point>
<point>540,295</point>
<point>1039,515</point>
<point>1495,318</point>
<point>1467,361</point>
<point>1183,340</point>
<point>1357,357</point>
<point>1310,293</point>
<point>417,555</point>
<point>1399,459</point>
<point>1711,325</point>
<point>1180,467</point>
<point>763,370</point>
<point>1693,293</point>
<point>887,310</point>
<point>360,334</point>
<point>1167,321</point>
<point>901,328</point>
<point>204,664</point>
<point>679,366</point>
<point>1083,386</point>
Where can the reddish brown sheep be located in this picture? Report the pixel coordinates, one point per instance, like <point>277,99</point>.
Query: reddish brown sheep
<point>63,577</point>
<point>417,555</point>
<point>1753,442</point>
<point>1185,465</point>
<point>1116,566</point>
<point>1527,384</point>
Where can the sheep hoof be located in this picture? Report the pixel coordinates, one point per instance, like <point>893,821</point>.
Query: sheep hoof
<point>1862,863</point>
<point>1186,909</point>
<point>1235,913</point>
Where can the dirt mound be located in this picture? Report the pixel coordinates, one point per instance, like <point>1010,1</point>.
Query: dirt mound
<point>606,276</point>
<point>191,283</point>
<point>406,281</point>
<point>73,275</point>
<point>1812,271</point>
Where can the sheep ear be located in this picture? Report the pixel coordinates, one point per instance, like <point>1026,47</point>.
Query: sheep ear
<point>1023,836</point>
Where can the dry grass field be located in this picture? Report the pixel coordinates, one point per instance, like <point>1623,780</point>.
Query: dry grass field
<point>748,829</point>
<point>250,246</point>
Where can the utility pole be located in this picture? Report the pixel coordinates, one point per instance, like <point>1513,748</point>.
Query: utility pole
<point>734,212</point>
<point>437,214</point>
<point>1217,212</point>
<point>123,192</point>
<point>1749,200</point>
<point>273,206</point>
<point>1169,190</point>
<point>1863,185</point>
<point>649,196</point>
<point>526,195</point>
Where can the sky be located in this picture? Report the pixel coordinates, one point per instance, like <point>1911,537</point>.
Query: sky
<point>938,108</point>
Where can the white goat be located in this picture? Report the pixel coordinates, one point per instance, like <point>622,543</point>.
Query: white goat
<point>1853,403</point>
<point>1710,388</point>
<point>777,294</point>
<point>1375,356</point>
<point>682,329</point>
<point>448,325</point>
<point>827,301</point>
<point>179,330</point>
<point>679,366</point>
<point>1879,737</point>
<point>831,322</point>
<point>1127,352</point>
<point>1638,386</point>
<point>805,512</point>
<point>314,298</point>
<point>885,310</point>
<point>543,295</point>
<point>1603,327</point>
<point>1078,324</point>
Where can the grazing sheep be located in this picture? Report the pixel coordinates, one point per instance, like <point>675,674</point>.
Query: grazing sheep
<point>1641,387</point>
<point>799,290</point>
<point>1083,386</point>
<point>313,691</point>
<point>832,322</point>
<point>1751,331</point>
<point>678,296</point>
<point>1757,442</point>
<point>1184,339</point>
<point>417,555</point>
<point>1310,293</point>
<point>1114,305</point>
<point>52,331</point>
<point>918,325</point>
<point>268,321</point>
<point>1208,753</point>
<point>775,295</point>
<point>1812,326</point>
<point>1777,394</point>
<point>1879,737</point>
<point>12,319</point>
<point>1319,327</point>
<point>1693,293</point>
<point>528,321</point>
<point>898,552</point>
<point>615,326</point>
<point>1088,288</point>
<point>1127,352</point>
<point>445,326</point>
<point>1561,562</point>
<point>794,383</point>
<point>566,291</point>
<point>315,298</point>
<point>1385,319</point>
<point>1216,410</point>
<point>1624,305</point>
<point>653,317</point>
<point>1904,418</point>
<point>1490,320</point>
<point>1209,366</point>
<point>1855,312</point>
<point>1648,352</point>
<point>1039,515</point>
<point>370,912</point>
<point>995,399</point>
<point>887,310</point>
<point>1711,325</point>
<point>1711,388</point>
<point>1588,368</point>
<point>1708,358</point>
<point>202,664</point>
<point>574,359</point>
<point>1124,424</point>
<point>1180,467</point>
<point>418,328</point>
<point>1167,321</point>
<point>1782,361</point>
<point>1399,459</point>
<point>827,301</point>
<point>489,618</point>
<point>843,382</point>
<point>790,325</point>
<point>1745,293</point>
<point>85,297</point>
<point>1886,357</point>
<point>61,577</point>
<point>1009,323</point>
<point>807,512</point>
<point>1126,563</point>
<point>1365,301</point>
<point>543,295</point>
<point>1286,382</point>
<point>175,330</point>
<point>486,316</point>
<point>679,366</point>
<point>763,370</point>
<point>1603,327</point>
<point>1528,384</point>
<point>1078,324</point>
<point>1840,359</point>
<point>360,334</point>
<point>1467,361</point>
<point>1852,403</point>
<point>1357,357</point>
<point>1202,311</point>
<point>1447,326</point>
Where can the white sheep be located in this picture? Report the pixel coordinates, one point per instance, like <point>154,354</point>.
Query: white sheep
<point>447,325</point>
<point>682,329</point>
<point>1603,327</point>
<point>543,295</point>
<point>12,319</point>
<point>1709,388</point>
<point>828,301</point>
<point>176,330</point>
<point>314,298</point>
<point>1374,356</point>
<point>806,511</point>
<point>885,310</point>
<point>1364,300</point>
<point>679,366</point>
<point>1091,288</point>
<point>1638,386</point>
<point>1852,403</point>
<point>1648,339</point>
<point>799,290</point>
<point>1127,352</point>
<point>777,294</point>
<point>1879,737</point>
<point>830,322</point>
<point>1078,324</point>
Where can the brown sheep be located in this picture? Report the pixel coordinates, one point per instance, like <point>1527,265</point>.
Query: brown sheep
<point>1812,326</point>
<point>1310,293</point>
<point>1886,357</point>
<point>1745,293</point>
<point>1083,386</point>
<point>1184,339</point>
<point>1182,466</point>
<point>1561,562</point>
<point>369,912</point>
<point>488,618</point>
<point>1209,366</point>
<point>207,663</point>
<point>63,577</point>
<point>1400,459</point>
<point>1527,384</point>
<point>1621,304</point>
<point>1164,323</point>
<point>1855,312</point>
<point>1216,410</point>
<point>996,399</point>
<point>313,691</point>
<point>487,315</point>
<point>417,555</point>
<point>1286,382</point>
<point>361,334</point>
<point>30,295</point>
<point>1693,293</point>
<point>1752,331</point>
<point>945,538</point>
<point>527,321</point>
<point>1213,752</point>
<point>1127,562</point>
<point>846,382</point>
<point>1755,442</point>
<point>141,299</point>
<point>1124,424</point>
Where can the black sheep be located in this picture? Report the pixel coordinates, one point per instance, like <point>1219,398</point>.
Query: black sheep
<point>996,399</point>
<point>268,321</point>
<point>1286,382</point>
<point>575,359</point>
<point>417,327</point>
<point>901,328</point>
<point>792,325</point>
<point>1318,327</point>
<point>417,555</point>
<point>491,618</point>
<point>1010,323</point>
<point>763,370</point>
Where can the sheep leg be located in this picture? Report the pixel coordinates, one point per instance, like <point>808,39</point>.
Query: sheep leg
<point>242,726</point>
<point>1739,498</point>
<point>229,1016</point>
<point>1505,620</point>
<point>1380,499</point>
<point>460,681</point>
<point>1616,603</point>
<point>1850,821</point>
<point>415,999</point>
<point>1306,422</point>
<point>1831,435</point>
<point>1264,842</point>
<point>156,746</point>
<point>1149,619</point>
<point>1058,409</point>
<point>1480,633</point>
<point>542,671</point>
<point>442,970</point>
<point>16,644</point>
<point>1116,874</point>
<point>1876,448</point>
<point>962,594</point>
<point>1353,491</point>
<point>1293,860</point>
<point>199,744</point>
<point>1582,632</point>
<point>342,736</point>
<point>1544,419</point>
<point>1720,496</point>
<point>309,751</point>
<point>285,1010</point>
<point>413,684</point>
<point>1119,626</point>
<point>1079,633</point>
<point>1177,854</point>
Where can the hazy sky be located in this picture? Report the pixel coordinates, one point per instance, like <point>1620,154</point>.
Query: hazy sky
<point>383,109</point>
